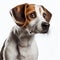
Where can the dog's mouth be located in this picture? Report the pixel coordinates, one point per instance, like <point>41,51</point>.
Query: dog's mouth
<point>37,31</point>
<point>44,31</point>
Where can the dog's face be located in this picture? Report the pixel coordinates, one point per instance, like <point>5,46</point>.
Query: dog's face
<point>34,18</point>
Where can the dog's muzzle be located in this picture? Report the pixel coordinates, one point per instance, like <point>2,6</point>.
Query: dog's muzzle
<point>45,27</point>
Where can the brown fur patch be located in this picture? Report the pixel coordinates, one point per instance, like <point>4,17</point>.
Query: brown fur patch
<point>30,9</point>
<point>20,13</point>
<point>40,10</point>
<point>48,14</point>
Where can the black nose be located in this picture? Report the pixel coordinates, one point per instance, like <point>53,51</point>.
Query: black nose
<point>45,25</point>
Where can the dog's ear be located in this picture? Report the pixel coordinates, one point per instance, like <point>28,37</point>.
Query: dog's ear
<point>46,14</point>
<point>19,14</point>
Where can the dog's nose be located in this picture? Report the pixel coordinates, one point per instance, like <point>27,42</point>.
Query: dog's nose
<point>45,25</point>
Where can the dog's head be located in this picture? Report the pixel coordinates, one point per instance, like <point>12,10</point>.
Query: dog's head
<point>34,18</point>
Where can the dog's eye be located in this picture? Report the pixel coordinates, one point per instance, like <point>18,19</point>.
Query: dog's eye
<point>32,15</point>
<point>44,15</point>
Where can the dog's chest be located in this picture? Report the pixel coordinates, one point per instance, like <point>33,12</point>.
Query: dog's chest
<point>29,53</point>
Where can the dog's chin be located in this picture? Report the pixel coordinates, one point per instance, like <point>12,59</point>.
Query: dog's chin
<point>42,31</point>
<point>38,32</point>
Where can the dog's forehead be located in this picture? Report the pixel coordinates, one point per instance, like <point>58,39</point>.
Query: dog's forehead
<point>42,11</point>
<point>30,7</point>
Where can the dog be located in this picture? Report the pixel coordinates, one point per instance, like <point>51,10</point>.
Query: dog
<point>30,19</point>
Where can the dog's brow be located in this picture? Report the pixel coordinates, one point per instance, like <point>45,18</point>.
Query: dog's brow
<point>30,8</point>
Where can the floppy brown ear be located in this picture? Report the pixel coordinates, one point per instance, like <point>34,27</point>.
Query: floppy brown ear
<point>47,13</point>
<point>19,14</point>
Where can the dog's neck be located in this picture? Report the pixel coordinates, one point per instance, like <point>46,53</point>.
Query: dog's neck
<point>25,38</point>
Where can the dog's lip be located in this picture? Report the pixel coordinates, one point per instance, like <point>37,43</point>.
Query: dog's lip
<point>44,31</point>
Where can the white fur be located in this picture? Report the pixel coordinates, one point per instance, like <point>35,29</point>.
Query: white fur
<point>11,51</point>
<point>29,53</point>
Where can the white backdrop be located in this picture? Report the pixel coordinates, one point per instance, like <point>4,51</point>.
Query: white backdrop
<point>48,44</point>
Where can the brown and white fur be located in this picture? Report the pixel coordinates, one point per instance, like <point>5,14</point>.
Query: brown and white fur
<point>30,19</point>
